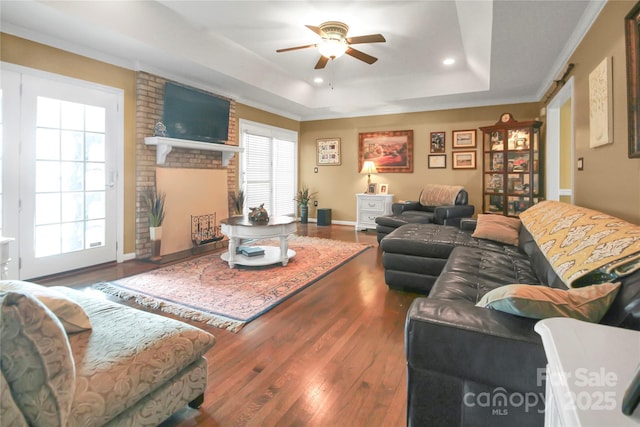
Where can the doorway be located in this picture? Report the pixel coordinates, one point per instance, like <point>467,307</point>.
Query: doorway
<point>60,172</point>
<point>560,146</point>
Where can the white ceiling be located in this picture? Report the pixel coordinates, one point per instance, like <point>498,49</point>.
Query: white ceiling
<point>506,51</point>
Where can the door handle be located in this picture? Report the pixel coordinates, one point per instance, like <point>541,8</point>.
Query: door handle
<point>113,177</point>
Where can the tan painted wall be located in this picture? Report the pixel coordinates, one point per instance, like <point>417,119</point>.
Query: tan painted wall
<point>337,185</point>
<point>260,116</point>
<point>23,52</point>
<point>610,181</point>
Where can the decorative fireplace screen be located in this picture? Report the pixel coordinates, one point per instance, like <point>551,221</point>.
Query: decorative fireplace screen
<point>204,229</point>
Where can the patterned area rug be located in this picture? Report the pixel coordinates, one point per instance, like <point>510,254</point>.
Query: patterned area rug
<point>206,289</point>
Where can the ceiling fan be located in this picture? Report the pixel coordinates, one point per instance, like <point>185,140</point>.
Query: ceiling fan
<point>335,43</point>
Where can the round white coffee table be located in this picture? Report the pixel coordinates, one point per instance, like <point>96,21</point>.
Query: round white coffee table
<point>239,227</point>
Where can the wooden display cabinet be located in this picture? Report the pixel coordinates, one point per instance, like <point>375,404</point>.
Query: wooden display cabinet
<point>512,166</point>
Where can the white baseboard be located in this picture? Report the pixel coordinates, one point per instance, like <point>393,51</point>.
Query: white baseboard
<point>335,222</point>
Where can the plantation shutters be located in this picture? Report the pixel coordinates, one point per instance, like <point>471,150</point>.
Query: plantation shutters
<point>268,167</point>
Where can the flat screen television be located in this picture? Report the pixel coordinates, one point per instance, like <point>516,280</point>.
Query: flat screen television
<point>195,115</point>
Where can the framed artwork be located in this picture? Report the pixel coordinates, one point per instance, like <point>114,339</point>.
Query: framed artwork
<point>328,152</point>
<point>437,142</point>
<point>464,138</point>
<point>601,104</point>
<point>383,189</point>
<point>373,188</point>
<point>437,161</point>
<point>391,151</point>
<point>632,39</point>
<point>464,159</point>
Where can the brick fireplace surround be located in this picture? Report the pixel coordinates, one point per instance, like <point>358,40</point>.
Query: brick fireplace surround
<point>149,108</point>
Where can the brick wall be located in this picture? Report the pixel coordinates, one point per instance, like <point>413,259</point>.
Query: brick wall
<point>149,108</point>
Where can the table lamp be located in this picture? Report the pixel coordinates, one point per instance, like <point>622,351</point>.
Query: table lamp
<point>368,167</point>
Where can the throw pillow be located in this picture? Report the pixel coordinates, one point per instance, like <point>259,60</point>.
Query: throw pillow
<point>540,302</point>
<point>36,360</point>
<point>498,228</point>
<point>71,315</point>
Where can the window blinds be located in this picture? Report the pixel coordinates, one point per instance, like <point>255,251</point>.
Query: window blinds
<point>269,168</point>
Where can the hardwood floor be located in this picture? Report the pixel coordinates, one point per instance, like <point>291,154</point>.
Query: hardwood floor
<point>331,355</point>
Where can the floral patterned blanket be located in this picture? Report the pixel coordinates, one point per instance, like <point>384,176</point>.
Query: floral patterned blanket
<point>583,246</point>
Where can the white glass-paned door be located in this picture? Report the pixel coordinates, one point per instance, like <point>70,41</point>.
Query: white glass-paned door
<point>67,193</point>
<point>11,106</point>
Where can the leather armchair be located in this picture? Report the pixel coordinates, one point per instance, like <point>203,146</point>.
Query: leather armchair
<point>414,212</point>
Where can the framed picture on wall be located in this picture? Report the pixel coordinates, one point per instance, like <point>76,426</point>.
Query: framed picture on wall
<point>464,159</point>
<point>328,152</point>
<point>437,161</point>
<point>390,151</point>
<point>632,39</point>
<point>464,138</point>
<point>437,142</point>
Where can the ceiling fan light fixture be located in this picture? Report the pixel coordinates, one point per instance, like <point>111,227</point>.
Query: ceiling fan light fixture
<point>335,43</point>
<point>332,48</point>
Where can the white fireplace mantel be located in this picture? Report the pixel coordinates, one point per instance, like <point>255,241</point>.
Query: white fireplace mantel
<point>165,145</point>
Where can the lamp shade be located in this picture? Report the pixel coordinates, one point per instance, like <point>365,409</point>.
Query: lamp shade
<point>332,48</point>
<point>369,167</point>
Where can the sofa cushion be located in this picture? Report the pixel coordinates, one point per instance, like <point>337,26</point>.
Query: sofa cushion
<point>436,241</point>
<point>70,314</point>
<point>36,360</point>
<point>540,302</point>
<point>393,221</point>
<point>470,273</point>
<point>498,228</point>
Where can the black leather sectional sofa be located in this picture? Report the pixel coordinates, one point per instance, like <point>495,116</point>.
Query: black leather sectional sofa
<point>468,365</point>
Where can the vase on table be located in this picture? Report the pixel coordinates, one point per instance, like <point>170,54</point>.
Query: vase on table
<point>304,214</point>
<point>155,235</point>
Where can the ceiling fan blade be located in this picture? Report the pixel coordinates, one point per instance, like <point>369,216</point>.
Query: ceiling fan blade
<point>316,30</point>
<point>322,62</point>
<point>371,38</point>
<point>295,48</point>
<point>361,55</point>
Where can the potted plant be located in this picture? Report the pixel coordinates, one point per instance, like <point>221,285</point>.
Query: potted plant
<point>303,198</point>
<point>238,201</point>
<point>155,203</point>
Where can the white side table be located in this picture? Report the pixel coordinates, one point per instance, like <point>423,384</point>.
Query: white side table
<point>371,206</point>
<point>589,367</point>
<point>4,256</point>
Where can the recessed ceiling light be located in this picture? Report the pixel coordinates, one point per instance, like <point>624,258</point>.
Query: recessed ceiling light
<point>449,61</point>
<point>318,80</point>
